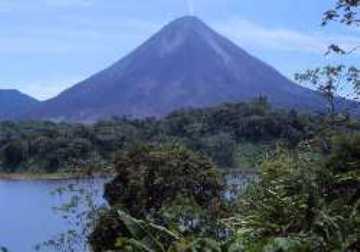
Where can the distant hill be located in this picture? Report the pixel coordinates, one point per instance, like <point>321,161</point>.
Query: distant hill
<point>13,103</point>
<point>186,64</point>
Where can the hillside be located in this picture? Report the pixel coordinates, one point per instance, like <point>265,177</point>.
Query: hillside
<point>186,64</point>
<point>13,103</point>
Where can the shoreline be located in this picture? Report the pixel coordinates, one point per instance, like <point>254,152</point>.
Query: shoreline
<point>28,176</point>
<point>49,176</point>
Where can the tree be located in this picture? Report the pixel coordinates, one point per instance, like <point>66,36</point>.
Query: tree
<point>80,211</point>
<point>147,177</point>
<point>220,148</point>
<point>331,82</point>
<point>164,184</point>
<point>13,154</point>
<point>144,236</point>
<point>301,198</point>
<point>345,11</point>
<point>331,79</point>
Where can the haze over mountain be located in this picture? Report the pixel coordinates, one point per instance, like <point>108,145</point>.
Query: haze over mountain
<point>13,103</point>
<point>186,64</point>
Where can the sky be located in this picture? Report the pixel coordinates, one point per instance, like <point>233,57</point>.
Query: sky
<point>47,46</point>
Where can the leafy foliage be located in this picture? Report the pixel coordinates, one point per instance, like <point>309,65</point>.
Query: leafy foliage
<point>216,132</point>
<point>331,81</point>
<point>139,235</point>
<point>306,199</point>
<point>147,177</point>
<point>168,185</point>
<point>80,211</point>
<point>345,11</point>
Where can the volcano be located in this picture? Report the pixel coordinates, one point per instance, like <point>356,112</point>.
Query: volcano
<point>185,64</point>
<point>14,103</point>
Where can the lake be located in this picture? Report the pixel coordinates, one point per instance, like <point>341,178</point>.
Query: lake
<point>27,216</point>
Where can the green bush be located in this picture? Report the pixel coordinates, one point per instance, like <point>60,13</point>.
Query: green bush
<point>304,199</point>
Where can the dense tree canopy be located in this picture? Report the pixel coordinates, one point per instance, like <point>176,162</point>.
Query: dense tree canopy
<point>304,200</point>
<point>167,184</point>
<point>216,132</point>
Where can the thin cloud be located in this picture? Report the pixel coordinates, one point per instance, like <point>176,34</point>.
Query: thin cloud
<point>86,37</point>
<point>249,34</point>
<point>190,6</point>
<point>45,89</point>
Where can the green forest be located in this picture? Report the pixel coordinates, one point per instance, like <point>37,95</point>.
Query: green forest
<point>231,135</point>
<point>167,190</point>
<point>169,196</point>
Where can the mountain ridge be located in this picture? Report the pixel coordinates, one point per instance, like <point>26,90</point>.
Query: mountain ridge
<point>14,102</point>
<point>185,64</point>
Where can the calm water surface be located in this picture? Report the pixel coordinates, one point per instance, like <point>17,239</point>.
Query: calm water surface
<point>26,212</point>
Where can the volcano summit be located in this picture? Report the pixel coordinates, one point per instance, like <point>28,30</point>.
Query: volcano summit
<point>185,64</point>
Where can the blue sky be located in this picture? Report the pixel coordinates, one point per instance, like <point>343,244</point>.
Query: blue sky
<point>47,46</point>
